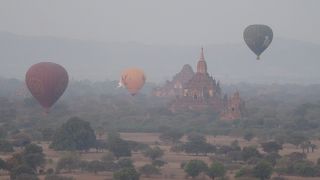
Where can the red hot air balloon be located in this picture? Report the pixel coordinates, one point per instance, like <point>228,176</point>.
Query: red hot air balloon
<point>47,81</point>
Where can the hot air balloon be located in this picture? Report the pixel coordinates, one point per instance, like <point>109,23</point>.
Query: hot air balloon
<point>258,37</point>
<point>133,80</point>
<point>47,81</point>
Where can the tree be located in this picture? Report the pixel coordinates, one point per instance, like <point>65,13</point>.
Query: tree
<point>271,146</point>
<point>3,132</point>
<point>75,134</point>
<point>101,145</point>
<point>197,144</point>
<point>118,146</point>
<point>137,146</point>
<point>125,163</point>
<point>216,169</point>
<point>154,153</point>
<point>47,134</point>
<point>263,170</point>
<point>33,149</point>
<point>126,174</point>
<point>235,145</point>
<point>196,137</point>
<point>248,136</point>
<point>171,135</point>
<point>194,167</point>
<point>3,164</point>
<point>33,156</point>
<point>7,110</point>
<point>249,152</point>
<point>158,163</point>
<point>149,169</point>
<point>272,158</point>
<point>5,146</point>
<point>304,168</point>
<point>21,170</point>
<point>297,139</point>
<point>95,166</point>
<point>313,147</point>
<point>305,146</point>
<point>21,139</point>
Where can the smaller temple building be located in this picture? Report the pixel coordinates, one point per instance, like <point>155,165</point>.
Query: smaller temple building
<point>199,91</point>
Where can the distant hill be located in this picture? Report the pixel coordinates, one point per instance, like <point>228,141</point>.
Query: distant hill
<point>286,61</point>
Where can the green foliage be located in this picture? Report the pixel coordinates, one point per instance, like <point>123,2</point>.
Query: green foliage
<point>33,149</point>
<point>271,146</point>
<point>194,167</point>
<point>248,136</point>
<point>34,160</point>
<point>263,170</point>
<point>33,156</point>
<point>216,169</point>
<point>21,170</point>
<point>235,145</point>
<point>196,137</point>
<point>5,146</point>
<point>153,153</point>
<point>95,166</point>
<point>3,164</point>
<point>126,174</point>
<point>3,132</point>
<point>101,145</point>
<point>118,146</point>
<point>21,139</point>
<point>250,152</point>
<point>137,146</point>
<point>272,158</point>
<point>305,168</point>
<point>149,169</point>
<point>244,172</point>
<point>47,134</point>
<point>197,145</point>
<point>125,163</point>
<point>158,163</point>
<point>171,135</point>
<point>7,110</point>
<point>75,134</point>
<point>297,139</point>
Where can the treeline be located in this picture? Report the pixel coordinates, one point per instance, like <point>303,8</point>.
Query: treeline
<point>271,110</point>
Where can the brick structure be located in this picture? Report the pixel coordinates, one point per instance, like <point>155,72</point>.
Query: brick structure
<point>175,87</point>
<point>200,91</point>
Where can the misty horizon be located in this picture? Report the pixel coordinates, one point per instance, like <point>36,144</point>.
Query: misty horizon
<point>96,40</point>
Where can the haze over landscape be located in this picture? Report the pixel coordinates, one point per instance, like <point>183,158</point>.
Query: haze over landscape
<point>159,89</point>
<point>95,40</point>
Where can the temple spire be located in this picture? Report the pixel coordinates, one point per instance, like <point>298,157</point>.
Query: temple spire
<point>202,54</point>
<point>202,65</point>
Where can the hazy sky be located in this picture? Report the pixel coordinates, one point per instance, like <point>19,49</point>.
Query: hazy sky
<point>188,22</point>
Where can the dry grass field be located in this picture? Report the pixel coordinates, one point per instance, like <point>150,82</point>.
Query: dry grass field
<point>171,170</point>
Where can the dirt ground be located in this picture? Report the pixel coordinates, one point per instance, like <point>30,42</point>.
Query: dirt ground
<point>171,170</point>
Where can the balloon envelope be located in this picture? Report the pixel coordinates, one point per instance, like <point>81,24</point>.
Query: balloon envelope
<point>47,82</point>
<point>258,37</point>
<point>133,79</point>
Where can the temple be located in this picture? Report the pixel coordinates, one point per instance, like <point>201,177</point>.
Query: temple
<point>199,91</point>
